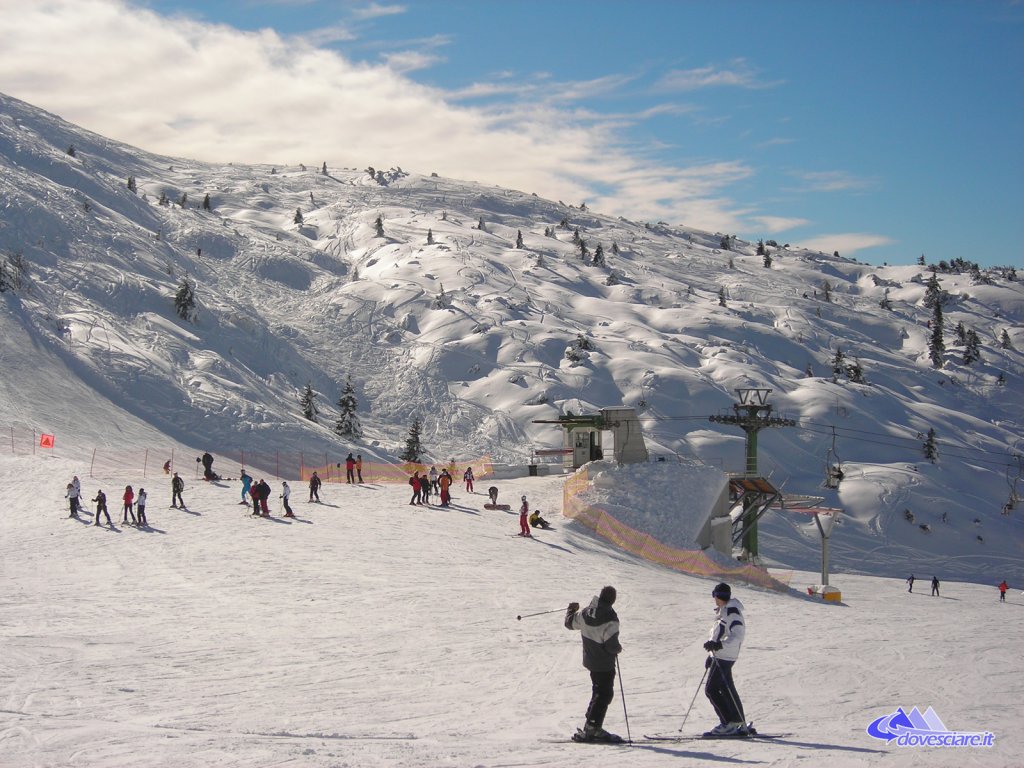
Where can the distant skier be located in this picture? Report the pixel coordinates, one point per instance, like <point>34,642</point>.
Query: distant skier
<point>536,521</point>
<point>77,485</point>
<point>101,506</point>
<point>285,493</point>
<point>207,466</point>
<point>140,507</point>
<point>246,485</point>
<point>524,521</point>
<point>167,467</point>
<point>254,497</point>
<point>599,628</point>
<point>177,486</point>
<point>314,488</point>
<point>350,469</point>
<point>467,476</point>
<point>426,486</point>
<point>1003,586</point>
<point>128,499</point>
<point>433,479</point>
<point>445,483</point>
<point>910,581</point>
<point>359,467</point>
<point>72,496</point>
<point>935,586</point>
<point>724,646</point>
<point>416,483</point>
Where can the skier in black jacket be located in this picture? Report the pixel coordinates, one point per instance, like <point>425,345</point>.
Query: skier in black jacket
<point>599,626</point>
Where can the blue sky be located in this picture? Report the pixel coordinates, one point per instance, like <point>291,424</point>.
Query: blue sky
<point>883,130</point>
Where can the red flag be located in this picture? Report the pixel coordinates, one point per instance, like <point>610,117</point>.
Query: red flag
<point>46,441</point>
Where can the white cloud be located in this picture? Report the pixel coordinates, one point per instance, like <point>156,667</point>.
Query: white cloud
<point>410,61</point>
<point>774,224</point>
<point>738,75</point>
<point>186,88</point>
<point>376,10</point>
<point>833,181</point>
<point>847,243</point>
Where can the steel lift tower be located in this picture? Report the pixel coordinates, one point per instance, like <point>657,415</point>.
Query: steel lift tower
<point>752,414</point>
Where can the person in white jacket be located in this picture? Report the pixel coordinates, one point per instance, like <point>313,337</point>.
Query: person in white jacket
<point>723,647</point>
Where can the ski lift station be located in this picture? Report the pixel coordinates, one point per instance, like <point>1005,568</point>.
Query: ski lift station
<point>582,437</point>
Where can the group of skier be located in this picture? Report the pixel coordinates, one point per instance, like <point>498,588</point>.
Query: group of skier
<point>598,625</point>
<point>134,504</point>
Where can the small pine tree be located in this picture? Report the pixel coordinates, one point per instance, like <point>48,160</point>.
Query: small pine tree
<point>348,424</point>
<point>931,450</point>
<point>206,203</point>
<point>933,292</point>
<point>413,448</point>
<point>885,303</point>
<point>936,344</point>
<point>307,402</point>
<point>379,224</point>
<point>721,297</point>
<point>615,248</point>
<point>599,256</point>
<point>838,362</point>
<point>298,216</point>
<point>430,237</point>
<point>767,260</point>
<point>576,239</point>
<point>185,300</point>
<point>725,243</point>
<point>809,371</point>
<point>760,248</point>
<point>71,150</point>
<point>584,251</point>
<point>826,289</point>
<point>961,334</point>
<point>163,199</point>
<point>972,348</point>
<point>1004,340</point>
<point>183,202</point>
<point>442,301</point>
<point>480,225</point>
<point>920,260</point>
<point>519,238</point>
<point>324,169</point>
<point>131,185</point>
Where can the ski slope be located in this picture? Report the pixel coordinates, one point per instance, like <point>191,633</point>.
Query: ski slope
<point>367,632</point>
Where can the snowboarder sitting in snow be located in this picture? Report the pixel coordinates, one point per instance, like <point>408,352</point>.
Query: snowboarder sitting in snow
<point>599,627</point>
<point>536,521</point>
<point>724,646</point>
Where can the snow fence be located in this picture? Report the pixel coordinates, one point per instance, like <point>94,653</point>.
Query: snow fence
<point>695,562</point>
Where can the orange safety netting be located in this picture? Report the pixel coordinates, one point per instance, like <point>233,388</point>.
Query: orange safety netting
<point>378,472</point>
<point>644,545</point>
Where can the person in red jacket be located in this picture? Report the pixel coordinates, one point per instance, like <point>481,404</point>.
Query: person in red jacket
<point>524,518</point>
<point>129,499</point>
<point>1003,586</point>
<point>350,469</point>
<point>444,481</point>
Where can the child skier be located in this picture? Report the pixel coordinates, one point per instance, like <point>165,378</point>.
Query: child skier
<point>101,506</point>
<point>524,521</point>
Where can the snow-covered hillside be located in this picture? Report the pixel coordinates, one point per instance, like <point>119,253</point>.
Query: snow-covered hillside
<point>442,317</point>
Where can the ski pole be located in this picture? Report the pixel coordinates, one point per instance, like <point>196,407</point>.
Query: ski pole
<point>622,695</point>
<point>528,615</point>
<point>699,686</point>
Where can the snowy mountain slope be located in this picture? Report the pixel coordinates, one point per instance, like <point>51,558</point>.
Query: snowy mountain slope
<point>368,632</point>
<point>470,334</point>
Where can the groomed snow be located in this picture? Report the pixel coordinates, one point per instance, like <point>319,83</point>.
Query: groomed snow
<point>371,633</point>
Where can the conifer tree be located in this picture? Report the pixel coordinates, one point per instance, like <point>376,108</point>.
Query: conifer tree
<point>413,448</point>
<point>1004,340</point>
<point>131,184</point>
<point>599,256</point>
<point>298,216</point>
<point>760,248</point>
<point>972,348</point>
<point>379,224</point>
<point>185,300</point>
<point>826,289</point>
<point>348,421</point>
<point>430,237</point>
<point>721,297</point>
<point>519,238</point>
<point>307,402</point>
<point>206,202</point>
<point>839,362</point>
<point>936,344</point>
<point>931,450</point>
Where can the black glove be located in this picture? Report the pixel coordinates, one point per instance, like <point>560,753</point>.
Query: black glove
<point>707,663</point>
<point>573,607</point>
<point>712,645</point>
